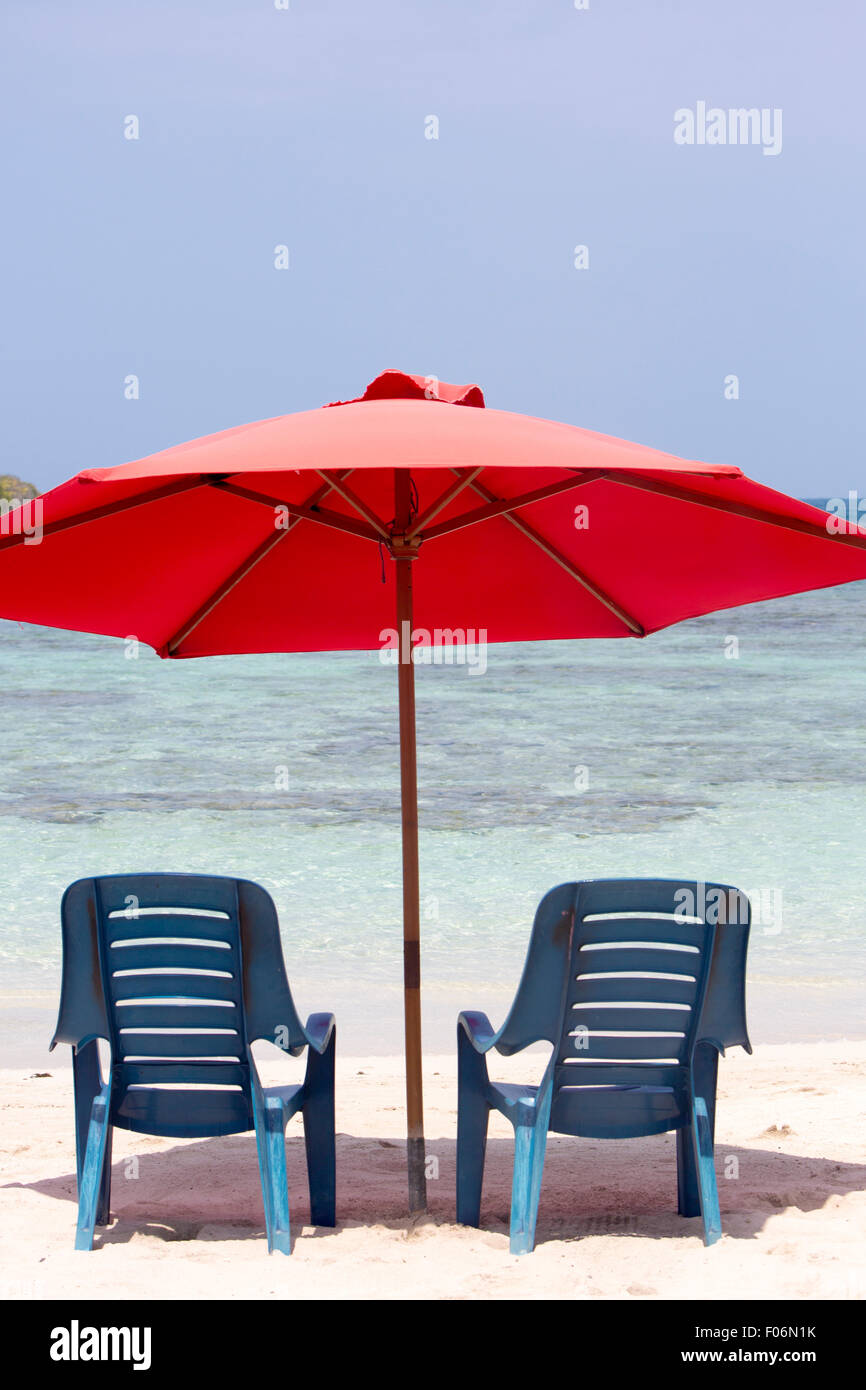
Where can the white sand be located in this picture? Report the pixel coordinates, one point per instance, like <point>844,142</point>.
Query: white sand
<point>791,1119</point>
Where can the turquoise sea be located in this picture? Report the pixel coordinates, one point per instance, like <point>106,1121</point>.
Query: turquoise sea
<point>687,753</point>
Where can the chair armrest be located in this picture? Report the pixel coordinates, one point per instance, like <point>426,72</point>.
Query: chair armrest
<point>319,1030</point>
<point>478,1029</point>
<point>288,1099</point>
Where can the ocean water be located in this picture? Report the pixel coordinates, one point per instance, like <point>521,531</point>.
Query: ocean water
<point>729,748</point>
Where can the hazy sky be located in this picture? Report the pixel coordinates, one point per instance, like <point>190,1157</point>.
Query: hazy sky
<point>451,256</point>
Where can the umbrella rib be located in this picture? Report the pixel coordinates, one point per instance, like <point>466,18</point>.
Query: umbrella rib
<point>816,529</point>
<point>243,569</point>
<point>110,508</point>
<point>336,482</point>
<point>466,476</point>
<point>304,511</point>
<point>499,506</point>
<point>265,548</point>
<point>570,568</point>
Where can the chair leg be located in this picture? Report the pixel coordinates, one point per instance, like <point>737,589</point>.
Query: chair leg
<point>530,1142</point>
<point>702,1143</point>
<point>279,1235</point>
<point>270,1124</point>
<point>87,1080</point>
<point>319,1136</point>
<point>90,1188</point>
<point>473,1114</point>
<point>705,1071</point>
<point>263,1152</point>
<point>103,1206</point>
<point>275,1121</point>
<point>688,1195</point>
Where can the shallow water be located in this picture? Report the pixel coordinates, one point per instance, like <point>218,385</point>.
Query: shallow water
<point>563,760</point>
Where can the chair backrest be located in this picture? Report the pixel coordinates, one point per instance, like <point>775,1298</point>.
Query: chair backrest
<point>180,973</point>
<point>632,975</point>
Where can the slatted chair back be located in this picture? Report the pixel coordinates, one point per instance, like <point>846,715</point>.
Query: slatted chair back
<point>158,961</point>
<point>180,974</point>
<point>637,976</point>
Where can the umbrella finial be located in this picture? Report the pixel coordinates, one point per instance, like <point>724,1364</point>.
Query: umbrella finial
<point>394,385</point>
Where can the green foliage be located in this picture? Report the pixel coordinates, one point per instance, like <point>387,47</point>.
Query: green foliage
<point>13,489</point>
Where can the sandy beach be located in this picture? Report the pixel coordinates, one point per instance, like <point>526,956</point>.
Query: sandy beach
<point>187,1219</point>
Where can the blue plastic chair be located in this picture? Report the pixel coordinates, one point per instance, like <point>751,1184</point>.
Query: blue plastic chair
<point>610,962</point>
<point>181,974</point>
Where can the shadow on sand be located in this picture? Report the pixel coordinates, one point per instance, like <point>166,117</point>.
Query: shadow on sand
<point>209,1189</point>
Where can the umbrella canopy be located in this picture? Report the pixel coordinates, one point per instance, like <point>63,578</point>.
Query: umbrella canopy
<point>186,549</point>
<point>279,536</point>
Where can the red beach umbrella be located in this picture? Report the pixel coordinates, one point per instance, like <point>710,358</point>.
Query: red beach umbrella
<point>410,516</point>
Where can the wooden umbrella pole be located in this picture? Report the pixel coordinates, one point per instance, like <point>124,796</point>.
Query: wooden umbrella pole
<point>404,556</point>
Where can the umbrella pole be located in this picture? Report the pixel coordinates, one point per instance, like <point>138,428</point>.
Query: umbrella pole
<point>411,894</point>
